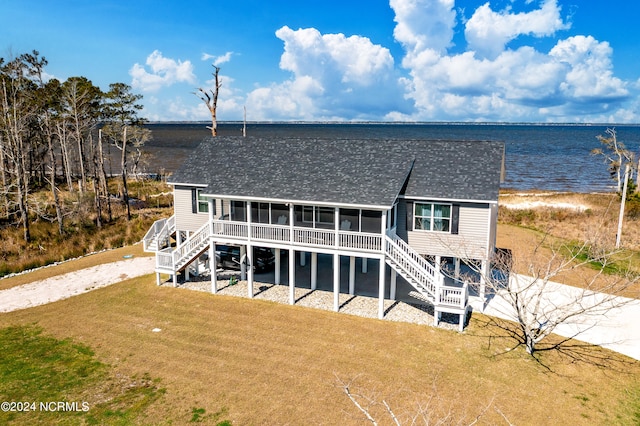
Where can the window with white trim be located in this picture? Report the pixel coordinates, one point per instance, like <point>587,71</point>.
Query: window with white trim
<point>432,217</point>
<point>203,202</point>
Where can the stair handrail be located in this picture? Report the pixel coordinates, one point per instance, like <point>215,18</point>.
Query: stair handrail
<point>168,229</point>
<point>185,250</point>
<point>425,276</point>
<point>159,231</point>
<point>406,248</point>
<point>460,298</point>
<point>153,231</point>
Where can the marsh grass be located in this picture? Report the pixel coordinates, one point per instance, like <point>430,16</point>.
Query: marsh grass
<point>586,233</point>
<point>598,219</point>
<point>258,362</point>
<point>81,234</point>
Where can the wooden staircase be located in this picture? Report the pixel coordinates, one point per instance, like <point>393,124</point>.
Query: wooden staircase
<point>427,280</point>
<point>159,235</point>
<point>173,260</point>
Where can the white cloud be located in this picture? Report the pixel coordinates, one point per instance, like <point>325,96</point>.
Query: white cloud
<point>424,24</point>
<point>217,60</point>
<point>574,81</point>
<point>488,32</point>
<point>164,72</point>
<point>590,74</point>
<point>333,77</point>
<point>494,76</point>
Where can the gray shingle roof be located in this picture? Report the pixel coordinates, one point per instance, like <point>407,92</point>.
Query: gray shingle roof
<point>357,172</point>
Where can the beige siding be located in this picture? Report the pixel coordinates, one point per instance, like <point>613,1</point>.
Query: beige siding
<point>471,241</point>
<point>186,220</point>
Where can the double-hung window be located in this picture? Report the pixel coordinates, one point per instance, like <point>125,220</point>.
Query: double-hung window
<point>432,217</point>
<point>203,203</point>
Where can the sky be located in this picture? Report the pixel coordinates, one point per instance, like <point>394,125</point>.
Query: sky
<point>542,61</point>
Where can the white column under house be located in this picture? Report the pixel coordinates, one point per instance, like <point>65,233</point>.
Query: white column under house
<point>382,267</point>
<point>336,282</point>
<point>213,267</point>
<point>314,270</point>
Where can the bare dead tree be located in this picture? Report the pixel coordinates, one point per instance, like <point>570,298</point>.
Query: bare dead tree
<point>536,301</point>
<point>138,136</point>
<point>433,410</point>
<point>102,174</point>
<point>123,165</point>
<point>210,98</point>
<point>616,155</point>
<point>621,165</point>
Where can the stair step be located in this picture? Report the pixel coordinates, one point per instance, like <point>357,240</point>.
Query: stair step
<point>421,296</point>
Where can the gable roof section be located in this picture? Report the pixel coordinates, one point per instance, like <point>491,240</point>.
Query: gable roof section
<point>368,172</point>
<point>456,170</point>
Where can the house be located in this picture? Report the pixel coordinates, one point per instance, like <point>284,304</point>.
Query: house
<point>399,204</point>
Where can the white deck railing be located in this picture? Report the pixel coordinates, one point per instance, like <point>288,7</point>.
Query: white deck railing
<point>159,233</point>
<point>164,259</point>
<point>314,237</point>
<point>301,236</point>
<point>360,241</point>
<point>455,297</point>
<point>424,277</point>
<point>191,247</point>
<point>230,229</point>
<point>264,232</point>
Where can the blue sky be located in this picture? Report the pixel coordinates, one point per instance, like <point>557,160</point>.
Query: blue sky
<point>396,60</point>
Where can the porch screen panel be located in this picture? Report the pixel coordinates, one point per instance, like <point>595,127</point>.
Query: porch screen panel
<point>279,214</point>
<point>301,213</point>
<point>239,211</point>
<point>260,212</point>
<point>371,221</point>
<point>325,217</point>
<point>349,220</point>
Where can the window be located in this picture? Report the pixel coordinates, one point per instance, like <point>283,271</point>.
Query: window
<point>432,217</point>
<point>200,204</point>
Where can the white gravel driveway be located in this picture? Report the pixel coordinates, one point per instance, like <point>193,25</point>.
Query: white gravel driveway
<point>73,283</point>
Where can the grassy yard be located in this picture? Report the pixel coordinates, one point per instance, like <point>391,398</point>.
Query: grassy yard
<point>219,359</point>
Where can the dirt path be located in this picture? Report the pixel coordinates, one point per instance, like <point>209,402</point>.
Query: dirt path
<point>73,283</point>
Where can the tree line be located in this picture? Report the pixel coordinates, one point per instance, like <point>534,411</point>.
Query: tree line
<point>57,134</point>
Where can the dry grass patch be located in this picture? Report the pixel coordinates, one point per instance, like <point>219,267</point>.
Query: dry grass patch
<point>576,216</point>
<point>264,363</point>
<point>591,220</point>
<point>81,233</point>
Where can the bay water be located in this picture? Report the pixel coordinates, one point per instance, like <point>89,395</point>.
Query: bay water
<point>538,156</point>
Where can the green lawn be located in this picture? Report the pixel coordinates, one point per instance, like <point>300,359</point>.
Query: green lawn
<point>217,359</point>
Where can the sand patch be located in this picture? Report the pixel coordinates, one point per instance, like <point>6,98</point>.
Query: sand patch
<point>73,283</point>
